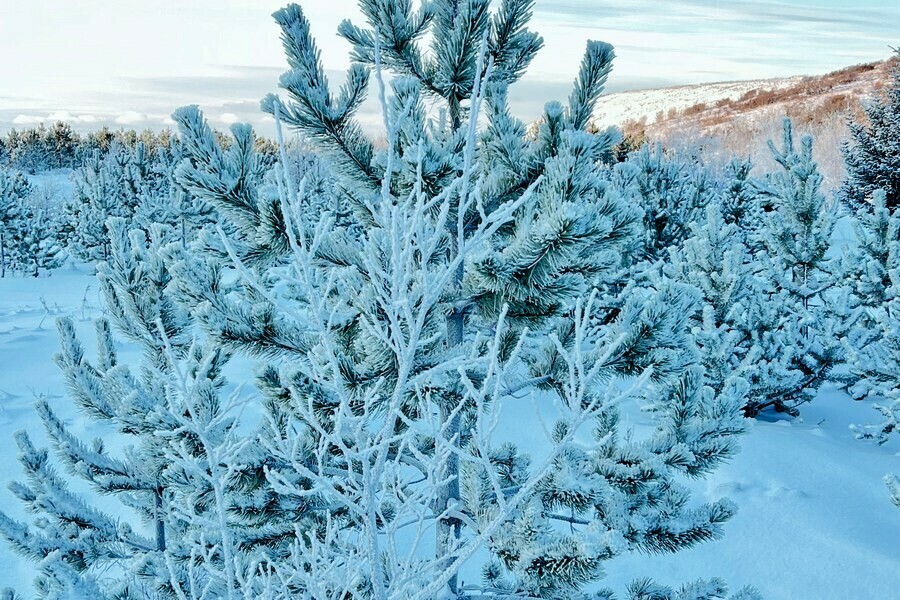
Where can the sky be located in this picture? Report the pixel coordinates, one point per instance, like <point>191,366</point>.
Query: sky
<point>130,63</point>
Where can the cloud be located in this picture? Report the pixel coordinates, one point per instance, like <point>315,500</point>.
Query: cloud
<point>53,117</point>
<point>738,39</point>
<point>130,117</point>
<point>230,82</point>
<point>228,118</point>
<point>28,120</point>
<point>641,14</point>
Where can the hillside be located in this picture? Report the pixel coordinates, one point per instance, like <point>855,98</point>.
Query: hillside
<point>738,117</point>
<point>664,105</point>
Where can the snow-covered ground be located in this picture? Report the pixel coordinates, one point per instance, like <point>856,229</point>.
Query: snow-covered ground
<point>814,520</point>
<point>56,182</point>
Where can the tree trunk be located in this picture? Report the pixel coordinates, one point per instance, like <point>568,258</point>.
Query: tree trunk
<point>449,528</point>
<point>455,113</point>
<point>2,257</point>
<point>160,524</point>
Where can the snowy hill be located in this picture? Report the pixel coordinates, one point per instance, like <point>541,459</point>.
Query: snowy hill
<point>715,105</point>
<point>654,105</point>
<point>739,117</point>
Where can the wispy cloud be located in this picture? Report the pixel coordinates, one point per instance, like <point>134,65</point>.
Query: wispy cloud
<point>653,14</point>
<point>224,54</point>
<point>687,39</point>
<point>59,115</point>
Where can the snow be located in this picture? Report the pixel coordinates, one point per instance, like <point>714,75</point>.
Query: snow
<point>814,518</point>
<point>617,109</point>
<point>54,185</point>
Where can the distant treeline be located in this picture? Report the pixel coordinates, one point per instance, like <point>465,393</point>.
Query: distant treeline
<point>59,146</point>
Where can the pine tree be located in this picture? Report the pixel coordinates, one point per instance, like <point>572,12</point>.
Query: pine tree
<point>95,201</point>
<point>873,155</point>
<point>174,476</point>
<point>109,185</point>
<point>29,228</point>
<point>36,242</point>
<point>63,145</point>
<point>869,264</point>
<point>738,195</point>
<point>875,368</point>
<point>873,345</point>
<point>748,326</point>
<point>799,278</point>
<point>14,189</point>
<point>865,272</point>
<point>672,189</point>
<point>893,484</point>
<point>31,152</point>
<point>644,335</point>
<point>890,411</point>
<point>716,260</point>
<point>454,237</point>
<point>874,274</point>
<point>101,140</point>
<point>164,201</point>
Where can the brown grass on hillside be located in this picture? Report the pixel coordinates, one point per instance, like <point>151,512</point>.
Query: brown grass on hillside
<point>820,106</point>
<point>696,109</point>
<point>861,79</point>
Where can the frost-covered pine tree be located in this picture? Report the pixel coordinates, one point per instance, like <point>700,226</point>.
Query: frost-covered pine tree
<point>30,151</point>
<point>873,345</point>
<point>319,185</point>
<point>29,228</point>
<point>893,484</point>
<point>672,189</point>
<point>872,155</point>
<point>738,196</point>
<point>164,201</point>
<point>114,184</point>
<point>716,260</point>
<point>99,195</point>
<point>747,326</point>
<point>171,455</point>
<point>36,243</point>
<point>449,288</point>
<point>871,270</point>
<point>890,411</point>
<point>866,274</point>
<point>877,375</point>
<point>869,263</point>
<point>798,231</point>
<point>799,276</point>
<point>14,191</point>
